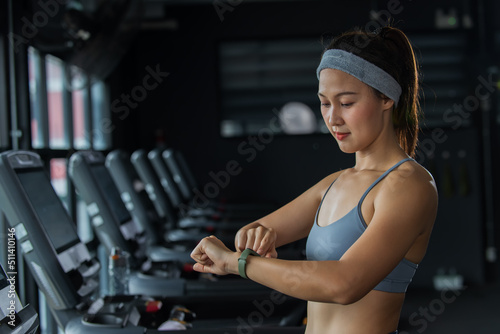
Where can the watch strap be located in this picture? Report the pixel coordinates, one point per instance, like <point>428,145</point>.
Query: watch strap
<point>242,261</point>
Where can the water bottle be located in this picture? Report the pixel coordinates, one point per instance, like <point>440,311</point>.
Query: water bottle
<point>180,319</point>
<point>119,272</point>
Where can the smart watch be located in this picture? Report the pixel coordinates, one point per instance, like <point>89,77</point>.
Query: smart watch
<point>242,261</point>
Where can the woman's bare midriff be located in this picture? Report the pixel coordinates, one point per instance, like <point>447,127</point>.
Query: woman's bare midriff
<point>377,312</point>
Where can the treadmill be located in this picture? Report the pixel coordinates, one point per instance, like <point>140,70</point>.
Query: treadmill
<point>61,264</point>
<point>63,268</point>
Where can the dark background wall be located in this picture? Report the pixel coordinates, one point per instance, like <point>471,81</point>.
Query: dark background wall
<point>183,112</point>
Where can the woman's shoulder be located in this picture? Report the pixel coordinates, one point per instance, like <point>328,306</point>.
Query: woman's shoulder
<point>411,178</point>
<point>410,191</point>
<point>413,171</point>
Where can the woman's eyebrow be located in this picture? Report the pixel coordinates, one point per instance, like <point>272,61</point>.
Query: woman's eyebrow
<point>338,94</point>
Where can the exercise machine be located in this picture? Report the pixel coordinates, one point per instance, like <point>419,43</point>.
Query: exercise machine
<point>64,269</point>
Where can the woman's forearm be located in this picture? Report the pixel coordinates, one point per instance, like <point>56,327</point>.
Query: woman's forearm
<point>309,280</point>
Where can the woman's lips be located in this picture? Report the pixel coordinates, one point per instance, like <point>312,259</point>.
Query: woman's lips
<point>341,135</point>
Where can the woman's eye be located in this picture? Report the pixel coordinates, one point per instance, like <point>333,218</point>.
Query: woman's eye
<point>346,104</point>
<point>326,105</point>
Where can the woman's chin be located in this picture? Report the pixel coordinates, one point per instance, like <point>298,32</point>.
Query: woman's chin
<point>346,148</point>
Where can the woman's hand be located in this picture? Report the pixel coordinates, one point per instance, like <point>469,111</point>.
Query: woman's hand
<point>212,256</point>
<point>258,238</point>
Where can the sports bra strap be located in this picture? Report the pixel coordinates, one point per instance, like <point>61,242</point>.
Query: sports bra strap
<point>380,178</point>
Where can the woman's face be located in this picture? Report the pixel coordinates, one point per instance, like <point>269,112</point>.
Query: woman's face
<point>351,110</point>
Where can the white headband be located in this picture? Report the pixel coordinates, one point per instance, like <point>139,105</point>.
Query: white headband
<point>362,70</point>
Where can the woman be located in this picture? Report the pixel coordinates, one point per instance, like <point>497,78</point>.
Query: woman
<point>367,226</point>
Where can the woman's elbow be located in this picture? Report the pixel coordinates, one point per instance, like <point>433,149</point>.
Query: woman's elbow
<point>351,297</point>
<point>347,298</point>
<point>344,293</point>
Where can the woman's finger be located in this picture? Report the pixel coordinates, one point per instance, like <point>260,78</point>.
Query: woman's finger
<point>259,234</point>
<point>250,240</point>
<point>210,255</point>
<point>202,268</point>
<point>267,242</point>
<point>241,240</point>
<point>199,253</point>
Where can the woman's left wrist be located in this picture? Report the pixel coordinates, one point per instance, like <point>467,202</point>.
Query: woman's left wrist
<point>232,263</point>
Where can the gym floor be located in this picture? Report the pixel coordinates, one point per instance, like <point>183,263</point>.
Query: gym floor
<point>468,311</point>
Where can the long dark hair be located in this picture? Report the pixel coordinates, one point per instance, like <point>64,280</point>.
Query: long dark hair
<point>390,49</point>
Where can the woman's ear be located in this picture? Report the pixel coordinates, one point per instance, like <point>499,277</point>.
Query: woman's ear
<point>387,103</point>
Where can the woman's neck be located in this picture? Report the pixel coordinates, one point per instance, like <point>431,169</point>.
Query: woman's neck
<point>380,157</point>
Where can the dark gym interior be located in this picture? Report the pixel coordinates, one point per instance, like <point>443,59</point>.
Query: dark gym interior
<point>207,80</point>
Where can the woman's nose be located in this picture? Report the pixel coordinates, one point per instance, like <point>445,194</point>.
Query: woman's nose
<point>333,117</point>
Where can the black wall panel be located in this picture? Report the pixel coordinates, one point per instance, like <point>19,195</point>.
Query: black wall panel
<point>456,244</point>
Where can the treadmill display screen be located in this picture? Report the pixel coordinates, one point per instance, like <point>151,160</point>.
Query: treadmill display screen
<point>111,193</point>
<point>49,208</point>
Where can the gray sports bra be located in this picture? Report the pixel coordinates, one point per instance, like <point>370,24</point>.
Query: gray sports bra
<point>332,241</point>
